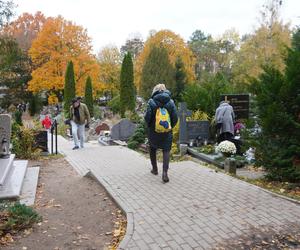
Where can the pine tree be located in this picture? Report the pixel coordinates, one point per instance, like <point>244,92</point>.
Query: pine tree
<point>278,100</point>
<point>88,97</point>
<point>157,69</point>
<point>180,78</point>
<point>127,89</point>
<point>69,90</point>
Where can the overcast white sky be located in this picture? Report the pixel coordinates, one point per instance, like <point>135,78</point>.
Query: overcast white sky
<point>113,21</point>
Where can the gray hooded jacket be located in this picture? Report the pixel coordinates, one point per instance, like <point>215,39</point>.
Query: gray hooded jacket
<point>225,115</point>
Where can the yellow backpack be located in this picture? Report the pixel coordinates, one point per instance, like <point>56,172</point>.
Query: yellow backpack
<point>162,121</point>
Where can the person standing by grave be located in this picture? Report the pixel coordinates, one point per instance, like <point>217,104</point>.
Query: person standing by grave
<point>46,122</point>
<point>79,119</point>
<point>224,119</point>
<point>161,117</point>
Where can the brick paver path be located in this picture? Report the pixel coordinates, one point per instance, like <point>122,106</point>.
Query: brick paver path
<point>197,209</point>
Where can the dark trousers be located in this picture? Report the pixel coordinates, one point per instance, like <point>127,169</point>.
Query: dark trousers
<point>225,136</point>
<point>166,158</point>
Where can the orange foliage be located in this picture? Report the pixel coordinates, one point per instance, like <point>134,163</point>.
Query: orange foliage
<point>25,29</point>
<point>175,46</point>
<point>52,99</point>
<point>59,42</point>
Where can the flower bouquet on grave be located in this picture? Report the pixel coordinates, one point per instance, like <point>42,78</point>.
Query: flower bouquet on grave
<point>227,148</point>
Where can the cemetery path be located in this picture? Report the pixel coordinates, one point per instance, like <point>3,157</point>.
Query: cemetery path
<point>77,214</point>
<point>198,209</point>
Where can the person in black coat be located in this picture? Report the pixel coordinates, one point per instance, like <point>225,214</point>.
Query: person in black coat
<point>161,98</point>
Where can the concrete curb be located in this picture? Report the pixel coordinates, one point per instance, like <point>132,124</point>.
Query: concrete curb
<point>119,201</point>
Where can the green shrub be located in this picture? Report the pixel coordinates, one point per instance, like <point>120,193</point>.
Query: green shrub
<point>35,104</point>
<point>62,129</point>
<point>97,112</point>
<point>18,117</point>
<point>278,105</point>
<point>115,104</point>
<point>16,217</point>
<point>206,95</point>
<point>138,137</point>
<point>23,143</point>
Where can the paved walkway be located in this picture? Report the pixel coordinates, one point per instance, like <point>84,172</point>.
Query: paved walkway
<point>197,209</point>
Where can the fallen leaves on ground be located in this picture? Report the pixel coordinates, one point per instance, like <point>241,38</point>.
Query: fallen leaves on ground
<point>265,238</point>
<point>6,239</point>
<point>119,230</point>
<point>288,189</point>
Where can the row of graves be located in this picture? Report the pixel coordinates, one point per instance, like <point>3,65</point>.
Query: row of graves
<point>17,180</point>
<point>197,138</point>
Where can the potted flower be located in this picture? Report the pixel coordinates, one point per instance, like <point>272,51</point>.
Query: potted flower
<point>227,148</point>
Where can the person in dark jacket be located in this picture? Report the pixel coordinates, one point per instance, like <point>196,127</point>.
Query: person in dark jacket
<point>161,98</point>
<point>79,119</point>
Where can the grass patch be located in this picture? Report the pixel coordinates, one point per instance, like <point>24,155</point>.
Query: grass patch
<point>15,217</point>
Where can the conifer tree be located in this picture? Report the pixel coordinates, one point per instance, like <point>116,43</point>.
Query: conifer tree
<point>157,69</point>
<point>88,97</point>
<point>278,101</point>
<point>180,78</point>
<point>69,90</point>
<point>127,89</point>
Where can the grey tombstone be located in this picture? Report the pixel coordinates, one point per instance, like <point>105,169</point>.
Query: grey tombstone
<point>183,114</point>
<point>198,129</point>
<point>5,134</point>
<point>123,130</point>
<point>240,104</point>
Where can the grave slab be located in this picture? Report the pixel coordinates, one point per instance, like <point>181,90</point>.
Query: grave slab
<point>29,186</point>
<point>5,167</point>
<point>14,181</point>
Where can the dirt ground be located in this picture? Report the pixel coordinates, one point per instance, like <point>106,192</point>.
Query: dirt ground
<point>77,212</point>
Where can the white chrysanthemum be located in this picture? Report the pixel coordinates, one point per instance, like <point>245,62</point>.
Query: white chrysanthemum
<point>226,147</point>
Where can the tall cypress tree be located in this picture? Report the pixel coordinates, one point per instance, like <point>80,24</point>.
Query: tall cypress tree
<point>127,89</point>
<point>180,78</point>
<point>157,69</point>
<point>69,90</point>
<point>88,97</point>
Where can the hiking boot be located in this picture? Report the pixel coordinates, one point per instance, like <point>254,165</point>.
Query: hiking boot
<point>165,177</point>
<point>154,171</point>
<point>76,147</point>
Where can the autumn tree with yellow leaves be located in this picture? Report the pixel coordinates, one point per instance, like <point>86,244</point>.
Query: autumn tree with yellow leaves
<point>109,60</point>
<point>266,46</point>
<point>175,47</point>
<point>25,29</point>
<point>59,42</point>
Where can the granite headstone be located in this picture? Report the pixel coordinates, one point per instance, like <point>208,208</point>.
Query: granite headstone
<point>240,104</point>
<point>123,130</point>
<point>198,129</point>
<point>183,114</point>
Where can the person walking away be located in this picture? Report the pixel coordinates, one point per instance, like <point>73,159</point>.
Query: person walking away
<point>79,119</point>
<point>225,117</point>
<point>46,122</point>
<point>161,117</point>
